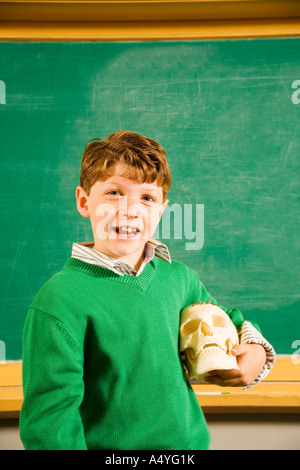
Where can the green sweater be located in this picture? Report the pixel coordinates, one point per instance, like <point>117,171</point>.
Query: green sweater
<point>101,368</point>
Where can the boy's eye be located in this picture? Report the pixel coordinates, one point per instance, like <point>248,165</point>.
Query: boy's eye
<point>114,192</point>
<point>148,199</point>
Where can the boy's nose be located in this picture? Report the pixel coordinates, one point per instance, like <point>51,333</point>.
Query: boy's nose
<point>130,206</point>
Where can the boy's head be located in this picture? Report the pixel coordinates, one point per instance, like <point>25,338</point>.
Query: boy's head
<point>143,159</point>
<point>124,182</point>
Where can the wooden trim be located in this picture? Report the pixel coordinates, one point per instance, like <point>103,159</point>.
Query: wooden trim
<point>146,10</point>
<point>169,31</point>
<point>285,370</point>
<point>267,397</point>
<point>11,374</point>
<point>11,400</point>
<point>278,393</point>
<point>147,20</point>
<point>11,391</point>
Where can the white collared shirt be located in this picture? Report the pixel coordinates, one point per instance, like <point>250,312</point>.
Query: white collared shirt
<point>85,252</point>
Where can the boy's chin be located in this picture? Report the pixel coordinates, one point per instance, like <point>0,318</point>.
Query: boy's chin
<point>128,251</point>
<point>122,245</point>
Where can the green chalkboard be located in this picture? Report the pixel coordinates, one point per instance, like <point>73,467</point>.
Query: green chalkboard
<point>227,114</point>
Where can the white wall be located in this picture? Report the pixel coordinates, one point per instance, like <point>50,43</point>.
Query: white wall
<point>229,432</point>
<point>254,432</point>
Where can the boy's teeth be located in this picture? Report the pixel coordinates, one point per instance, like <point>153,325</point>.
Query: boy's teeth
<point>127,230</point>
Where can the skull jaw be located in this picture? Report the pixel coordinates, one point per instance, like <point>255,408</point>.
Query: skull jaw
<point>207,361</point>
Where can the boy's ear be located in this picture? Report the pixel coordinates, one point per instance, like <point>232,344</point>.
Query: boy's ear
<point>82,202</point>
<point>164,205</point>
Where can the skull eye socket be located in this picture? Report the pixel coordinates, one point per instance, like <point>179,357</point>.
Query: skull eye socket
<point>219,321</point>
<point>190,354</point>
<point>189,327</point>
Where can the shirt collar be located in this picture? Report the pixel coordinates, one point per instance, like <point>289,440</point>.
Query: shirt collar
<point>85,252</point>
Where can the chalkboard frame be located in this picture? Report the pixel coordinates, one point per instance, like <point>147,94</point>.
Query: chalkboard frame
<point>147,20</point>
<point>26,30</point>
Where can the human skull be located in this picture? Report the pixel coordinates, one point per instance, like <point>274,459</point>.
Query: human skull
<point>207,336</point>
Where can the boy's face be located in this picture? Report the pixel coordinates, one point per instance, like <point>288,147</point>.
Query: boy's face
<point>124,214</point>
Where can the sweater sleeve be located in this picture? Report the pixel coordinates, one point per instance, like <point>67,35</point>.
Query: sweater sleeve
<point>200,293</point>
<point>53,386</point>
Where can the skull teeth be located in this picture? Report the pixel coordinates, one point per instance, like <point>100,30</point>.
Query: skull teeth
<point>209,348</point>
<point>212,345</point>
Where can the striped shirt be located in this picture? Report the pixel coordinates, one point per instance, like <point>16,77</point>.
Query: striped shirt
<point>248,333</point>
<point>85,252</point>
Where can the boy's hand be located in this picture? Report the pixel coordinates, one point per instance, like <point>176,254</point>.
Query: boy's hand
<point>250,358</point>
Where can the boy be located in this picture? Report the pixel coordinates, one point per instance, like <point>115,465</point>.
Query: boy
<point>101,366</point>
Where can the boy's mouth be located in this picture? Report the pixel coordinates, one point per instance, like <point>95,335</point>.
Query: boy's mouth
<point>125,231</point>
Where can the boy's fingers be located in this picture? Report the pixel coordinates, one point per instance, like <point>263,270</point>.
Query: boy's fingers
<point>229,374</point>
<point>223,374</point>
<point>240,349</point>
<point>212,373</point>
<point>234,382</point>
